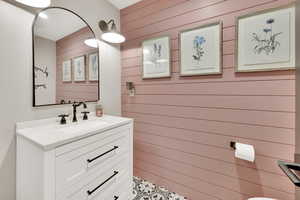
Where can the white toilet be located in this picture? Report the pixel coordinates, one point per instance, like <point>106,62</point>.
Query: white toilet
<point>261,198</point>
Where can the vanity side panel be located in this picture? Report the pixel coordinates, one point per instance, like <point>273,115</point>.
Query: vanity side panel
<point>29,171</point>
<point>49,175</point>
<point>131,159</point>
<point>32,181</point>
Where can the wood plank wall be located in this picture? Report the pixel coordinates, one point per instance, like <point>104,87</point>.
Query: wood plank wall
<point>183,125</point>
<point>68,48</point>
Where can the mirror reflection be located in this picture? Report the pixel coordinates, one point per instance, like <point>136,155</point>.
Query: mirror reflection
<point>66,59</point>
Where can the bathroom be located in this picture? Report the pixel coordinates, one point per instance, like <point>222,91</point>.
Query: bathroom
<point>149,100</point>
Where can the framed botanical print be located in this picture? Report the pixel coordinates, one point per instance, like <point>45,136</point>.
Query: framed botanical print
<point>156,58</point>
<point>66,71</point>
<point>79,68</point>
<point>201,50</point>
<point>266,40</point>
<point>94,66</point>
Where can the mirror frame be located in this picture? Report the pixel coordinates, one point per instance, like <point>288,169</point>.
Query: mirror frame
<point>33,56</point>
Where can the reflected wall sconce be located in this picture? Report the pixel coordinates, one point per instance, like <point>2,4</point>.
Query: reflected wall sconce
<point>92,42</point>
<point>110,34</point>
<point>131,88</point>
<point>35,3</point>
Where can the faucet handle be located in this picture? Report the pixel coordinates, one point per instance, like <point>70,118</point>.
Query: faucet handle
<point>85,116</point>
<point>63,118</point>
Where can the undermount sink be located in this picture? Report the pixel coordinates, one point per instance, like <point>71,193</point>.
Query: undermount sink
<point>82,125</point>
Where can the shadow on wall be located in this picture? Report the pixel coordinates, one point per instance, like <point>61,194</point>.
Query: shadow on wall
<point>255,177</point>
<point>7,174</point>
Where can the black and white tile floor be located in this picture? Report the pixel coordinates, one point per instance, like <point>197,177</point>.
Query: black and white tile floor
<point>144,190</point>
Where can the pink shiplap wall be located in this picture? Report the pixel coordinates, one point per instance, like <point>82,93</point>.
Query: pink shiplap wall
<point>183,125</point>
<point>68,48</point>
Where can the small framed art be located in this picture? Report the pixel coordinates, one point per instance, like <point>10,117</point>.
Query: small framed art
<point>266,40</point>
<point>156,58</point>
<point>79,68</point>
<point>201,50</point>
<point>66,71</point>
<point>93,66</point>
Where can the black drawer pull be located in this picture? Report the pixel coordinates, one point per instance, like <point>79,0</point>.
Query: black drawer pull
<point>90,192</point>
<point>116,197</point>
<point>93,159</point>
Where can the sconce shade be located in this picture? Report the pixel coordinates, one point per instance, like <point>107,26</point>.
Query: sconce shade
<point>35,3</point>
<point>111,35</point>
<point>92,42</point>
<point>43,15</point>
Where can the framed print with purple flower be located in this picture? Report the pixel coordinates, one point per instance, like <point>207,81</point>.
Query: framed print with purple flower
<point>156,58</point>
<point>79,68</point>
<point>201,50</point>
<point>266,40</point>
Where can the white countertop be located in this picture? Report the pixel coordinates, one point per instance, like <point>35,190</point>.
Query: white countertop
<point>49,134</point>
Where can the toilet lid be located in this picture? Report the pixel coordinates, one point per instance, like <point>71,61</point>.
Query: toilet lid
<point>261,198</point>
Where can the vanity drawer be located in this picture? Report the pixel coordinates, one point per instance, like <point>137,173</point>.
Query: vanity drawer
<point>120,166</point>
<point>122,191</point>
<point>100,139</point>
<point>74,166</point>
<point>100,188</point>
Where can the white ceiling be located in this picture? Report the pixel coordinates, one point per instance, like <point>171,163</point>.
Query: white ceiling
<point>123,3</point>
<point>59,24</point>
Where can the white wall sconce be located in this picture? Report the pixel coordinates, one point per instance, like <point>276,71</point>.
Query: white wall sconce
<point>131,88</point>
<point>110,34</point>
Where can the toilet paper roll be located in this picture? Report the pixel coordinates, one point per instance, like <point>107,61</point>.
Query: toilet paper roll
<point>245,152</point>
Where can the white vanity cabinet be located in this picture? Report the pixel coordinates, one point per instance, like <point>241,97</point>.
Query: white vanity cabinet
<point>90,160</point>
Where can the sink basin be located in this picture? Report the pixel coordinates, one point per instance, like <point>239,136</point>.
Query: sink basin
<point>82,125</point>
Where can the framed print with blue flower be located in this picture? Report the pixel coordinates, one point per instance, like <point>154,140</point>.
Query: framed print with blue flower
<point>156,58</point>
<point>266,40</point>
<point>201,50</point>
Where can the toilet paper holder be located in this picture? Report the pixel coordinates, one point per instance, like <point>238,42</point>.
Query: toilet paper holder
<point>232,145</point>
<point>288,168</point>
<point>243,151</point>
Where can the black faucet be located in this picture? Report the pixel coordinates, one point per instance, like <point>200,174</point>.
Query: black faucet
<point>75,105</point>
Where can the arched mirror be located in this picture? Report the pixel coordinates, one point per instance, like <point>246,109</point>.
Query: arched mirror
<point>65,59</point>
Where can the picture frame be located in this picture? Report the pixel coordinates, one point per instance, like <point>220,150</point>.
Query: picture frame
<point>156,57</point>
<point>79,64</point>
<point>67,71</point>
<point>265,40</point>
<point>201,50</point>
<point>93,66</point>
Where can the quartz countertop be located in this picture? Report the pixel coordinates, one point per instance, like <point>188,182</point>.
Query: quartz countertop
<point>49,134</point>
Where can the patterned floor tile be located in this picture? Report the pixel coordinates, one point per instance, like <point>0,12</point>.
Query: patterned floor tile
<point>144,190</point>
